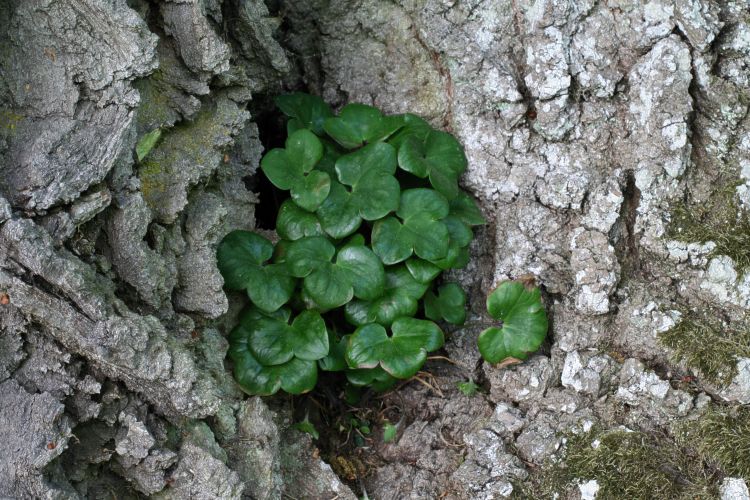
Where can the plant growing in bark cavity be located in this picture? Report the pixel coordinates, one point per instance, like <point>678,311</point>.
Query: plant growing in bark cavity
<point>375,215</point>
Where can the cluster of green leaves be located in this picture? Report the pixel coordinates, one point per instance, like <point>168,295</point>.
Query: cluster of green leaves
<point>375,215</point>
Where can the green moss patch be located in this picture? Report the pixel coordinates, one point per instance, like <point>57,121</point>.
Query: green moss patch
<point>721,437</point>
<point>631,465</point>
<point>709,346</point>
<point>720,220</point>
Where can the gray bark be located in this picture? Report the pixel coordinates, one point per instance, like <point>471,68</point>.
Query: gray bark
<point>585,124</point>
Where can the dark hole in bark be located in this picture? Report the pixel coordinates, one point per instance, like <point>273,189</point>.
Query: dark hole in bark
<point>272,133</point>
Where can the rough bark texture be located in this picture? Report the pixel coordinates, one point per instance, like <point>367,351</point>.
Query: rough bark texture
<point>589,126</point>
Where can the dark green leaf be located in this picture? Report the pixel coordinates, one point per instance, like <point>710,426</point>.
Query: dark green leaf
<point>465,208</point>
<point>411,126</point>
<point>377,378</point>
<point>524,323</point>
<point>240,257</point>
<point>311,190</point>
<point>422,270</point>
<point>401,354</point>
<point>335,361</point>
<point>365,271</point>
<point>375,192</point>
<point>338,216</point>
<point>330,286</point>
<point>449,304</point>
<point>310,111</point>
<point>295,376</point>
<point>389,243</point>
<point>359,123</point>
<point>284,167</point>
<point>460,233</point>
<point>305,255</point>
<point>272,341</point>
<point>293,223</point>
<point>376,157</point>
<point>399,299</point>
<point>438,156</point>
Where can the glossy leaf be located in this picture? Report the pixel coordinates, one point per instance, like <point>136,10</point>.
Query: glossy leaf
<point>285,167</point>
<point>369,171</point>
<point>307,110</point>
<point>438,156</point>
<point>241,256</point>
<point>377,378</point>
<point>335,361</point>
<point>449,304</point>
<point>358,124</point>
<point>524,323</point>
<point>422,270</point>
<point>421,231</point>
<point>400,298</point>
<point>295,376</point>
<point>338,216</point>
<point>411,126</point>
<point>293,222</point>
<point>310,190</point>
<point>402,354</point>
<point>274,341</point>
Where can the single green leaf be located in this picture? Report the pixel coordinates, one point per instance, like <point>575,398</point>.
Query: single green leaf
<point>422,270</point>
<point>411,126</point>
<point>459,232</point>
<point>377,378</point>
<point>376,157</point>
<point>422,202</point>
<point>305,255</point>
<point>293,223</point>
<point>295,376</point>
<point>272,341</point>
<point>365,271</point>
<point>285,167</point>
<point>329,286</point>
<point>308,428</point>
<point>389,243</point>
<point>389,432</point>
<point>524,323</point>
<point>309,191</point>
<point>449,304</point>
<point>240,257</point>
<point>465,208</point>
<point>310,111</point>
<point>438,156</point>
<point>402,354</point>
<point>338,216</point>
<point>147,143</point>
<point>358,124</point>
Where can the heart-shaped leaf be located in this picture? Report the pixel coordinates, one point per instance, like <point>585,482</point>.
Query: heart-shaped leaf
<point>358,124</point>
<point>524,323</point>
<point>412,126</point>
<point>296,376</point>
<point>439,156</point>
<point>400,298</point>
<point>338,215</point>
<point>310,190</point>
<point>356,272</point>
<point>241,256</point>
<point>377,378</point>
<point>305,111</point>
<point>273,341</point>
<point>293,223</point>
<point>422,231</point>
<point>369,172</point>
<point>402,354</point>
<point>449,304</point>
<point>285,167</point>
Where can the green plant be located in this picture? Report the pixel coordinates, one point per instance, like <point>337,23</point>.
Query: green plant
<point>375,215</point>
<point>468,388</point>
<point>524,322</point>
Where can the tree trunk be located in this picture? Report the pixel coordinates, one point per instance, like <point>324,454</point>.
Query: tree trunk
<point>608,148</point>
